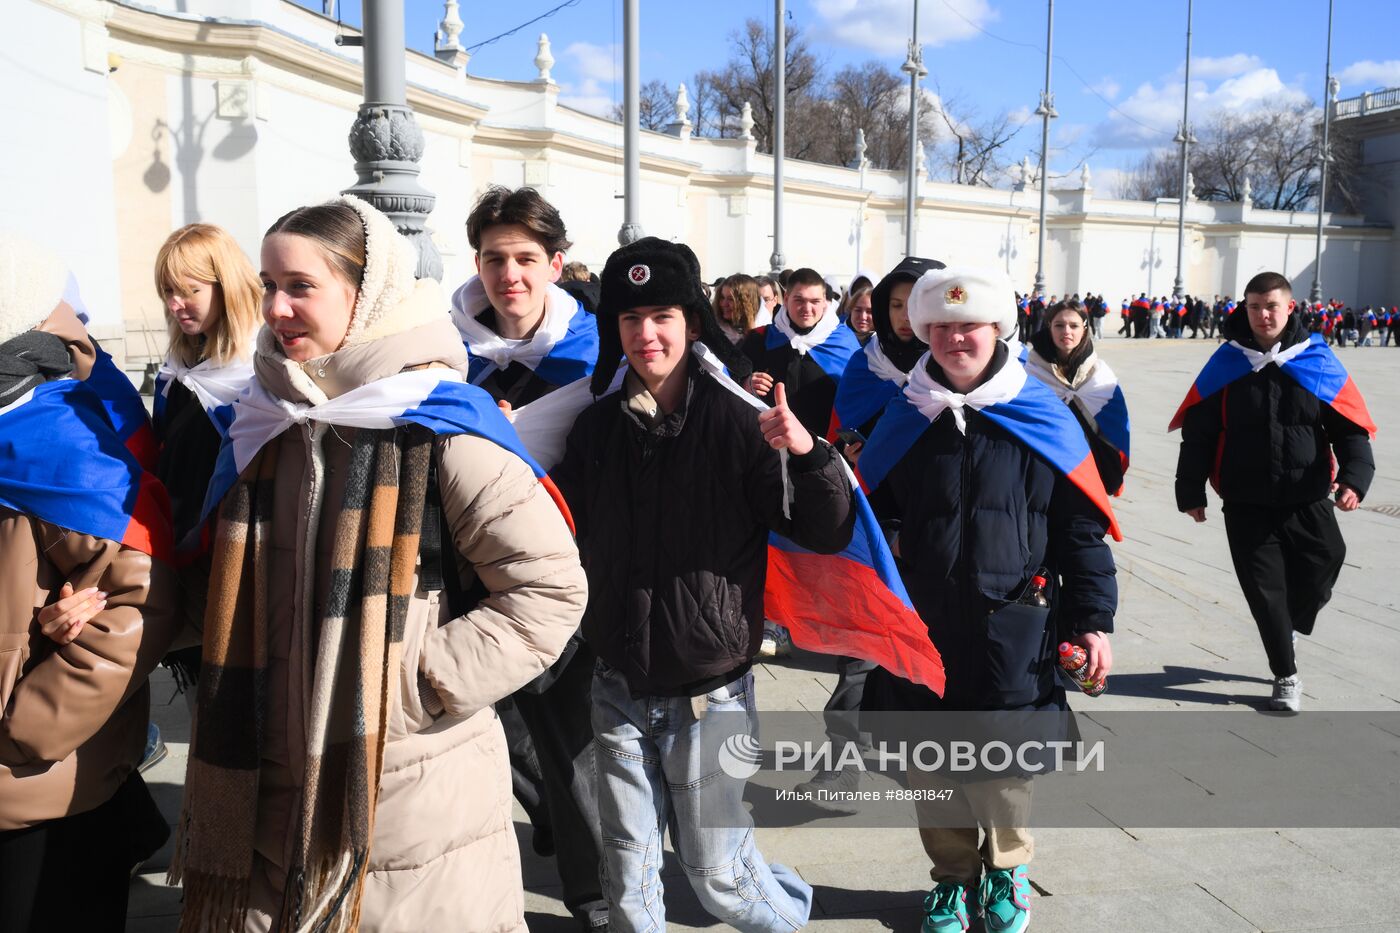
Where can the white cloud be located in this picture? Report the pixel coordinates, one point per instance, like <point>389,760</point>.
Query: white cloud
<point>1106,87</point>
<point>882,26</point>
<point>1227,67</point>
<point>593,62</point>
<point>1369,76</point>
<point>598,71</point>
<point>1149,116</point>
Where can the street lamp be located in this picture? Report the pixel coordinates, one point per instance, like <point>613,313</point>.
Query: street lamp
<point>1184,138</point>
<point>914,67</point>
<point>385,139</point>
<point>1324,156</point>
<point>861,163</point>
<point>776,261</point>
<point>1046,112</point>
<point>631,230</point>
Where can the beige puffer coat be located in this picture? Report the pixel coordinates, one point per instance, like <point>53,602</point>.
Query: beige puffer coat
<point>444,853</point>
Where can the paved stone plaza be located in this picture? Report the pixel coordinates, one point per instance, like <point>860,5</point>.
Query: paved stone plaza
<point>1184,641</point>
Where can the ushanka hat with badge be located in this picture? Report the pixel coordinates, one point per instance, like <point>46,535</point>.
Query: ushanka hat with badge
<point>962,296</point>
<point>654,273</point>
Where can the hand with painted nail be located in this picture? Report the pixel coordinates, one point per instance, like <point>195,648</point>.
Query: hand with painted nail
<point>63,620</point>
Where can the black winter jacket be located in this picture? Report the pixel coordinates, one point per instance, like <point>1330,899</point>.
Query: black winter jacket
<point>189,446</point>
<point>1278,438</point>
<point>978,514</point>
<point>811,391</point>
<point>673,529</point>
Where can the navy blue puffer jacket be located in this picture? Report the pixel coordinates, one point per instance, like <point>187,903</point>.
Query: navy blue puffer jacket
<point>978,515</point>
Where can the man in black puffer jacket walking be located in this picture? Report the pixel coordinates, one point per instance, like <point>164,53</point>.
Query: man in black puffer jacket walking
<point>674,483</point>
<point>1266,443</point>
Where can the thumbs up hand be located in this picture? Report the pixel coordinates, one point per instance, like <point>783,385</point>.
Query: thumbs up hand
<point>780,426</point>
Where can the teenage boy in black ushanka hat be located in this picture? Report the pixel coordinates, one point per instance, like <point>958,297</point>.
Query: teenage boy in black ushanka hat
<point>675,481</point>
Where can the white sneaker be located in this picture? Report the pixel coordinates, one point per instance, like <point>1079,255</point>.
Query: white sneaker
<point>1288,694</point>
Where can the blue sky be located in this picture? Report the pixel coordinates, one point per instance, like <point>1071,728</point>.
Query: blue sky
<point>1117,74</point>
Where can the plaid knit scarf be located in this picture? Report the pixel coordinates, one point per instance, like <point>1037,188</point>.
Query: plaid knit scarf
<point>355,649</point>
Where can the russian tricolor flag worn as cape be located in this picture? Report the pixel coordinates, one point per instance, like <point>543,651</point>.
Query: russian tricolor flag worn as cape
<point>562,350</point>
<point>829,343</point>
<point>852,603</point>
<point>125,409</point>
<point>1099,398</point>
<point>1012,400</point>
<point>214,387</point>
<point>437,399</point>
<point>871,379</point>
<point>1310,363</point>
<point>64,462</point>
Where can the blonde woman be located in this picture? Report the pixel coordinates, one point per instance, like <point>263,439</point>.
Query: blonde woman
<point>212,299</point>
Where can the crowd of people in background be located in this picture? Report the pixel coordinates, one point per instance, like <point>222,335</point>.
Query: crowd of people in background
<point>411,552</point>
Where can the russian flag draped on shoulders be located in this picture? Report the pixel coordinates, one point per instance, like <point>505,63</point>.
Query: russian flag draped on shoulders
<point>437,399</point>
<point>1099,397</point>
<point>64,460</point>
<point>214,386</point>
<point>1310,363</point>
<point>871,379</point>
<point>829,343</point>
<point>125,409</point>
<point>1022,406</point>
<point>561,351</point>
<point>852,603</point>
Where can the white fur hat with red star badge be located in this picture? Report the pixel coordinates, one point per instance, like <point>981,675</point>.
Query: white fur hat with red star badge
<point>961,295</point>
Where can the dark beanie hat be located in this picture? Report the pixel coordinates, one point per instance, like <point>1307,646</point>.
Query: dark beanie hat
<point>904,355</point>
<point>653,272</point>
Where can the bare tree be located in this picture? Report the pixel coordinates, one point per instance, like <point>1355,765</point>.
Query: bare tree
<point>656,106</point>
<point>1272,151</point>
<point>976,150</point>
<point>748,76</point>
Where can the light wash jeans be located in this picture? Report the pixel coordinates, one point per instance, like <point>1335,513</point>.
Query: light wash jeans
<point>658,766</point>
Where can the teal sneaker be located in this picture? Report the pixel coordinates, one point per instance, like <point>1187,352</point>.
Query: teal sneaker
<point>1006,900</point>
<point>945,909</point>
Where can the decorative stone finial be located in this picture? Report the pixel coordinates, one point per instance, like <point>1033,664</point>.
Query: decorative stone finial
<point>1247,196</point>
<point>682,104</point>
<point>447,46</point>
<point>861,148</point>
<point>746,122</point>
<point>1190,186</point>
<point>544,60</point>
<point>1086,178</point>
<point>920,160</point>
<point>1027,173</point>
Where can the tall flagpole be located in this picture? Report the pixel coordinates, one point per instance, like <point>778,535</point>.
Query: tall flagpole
<point>1183,136</point>
<point>1046,111</point>
<point>631,230</point>
<point>1330,95</point>
<point>776,261</point>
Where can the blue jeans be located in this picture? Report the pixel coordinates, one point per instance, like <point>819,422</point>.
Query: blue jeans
<point>658,765</point>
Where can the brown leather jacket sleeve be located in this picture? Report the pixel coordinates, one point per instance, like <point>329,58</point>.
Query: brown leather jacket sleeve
<point>66,693</point>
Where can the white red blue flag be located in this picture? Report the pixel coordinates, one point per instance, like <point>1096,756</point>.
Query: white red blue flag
<point>1099,398</point>
<point>1310,363</point>
<point>871,379</point>
<point>437,399</point>
<point>1022,406</point>
<point>829,343</point>
<point>215,387</point>
<point>63,461</point>
<point>562,350</point>
<point>125,409</point>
